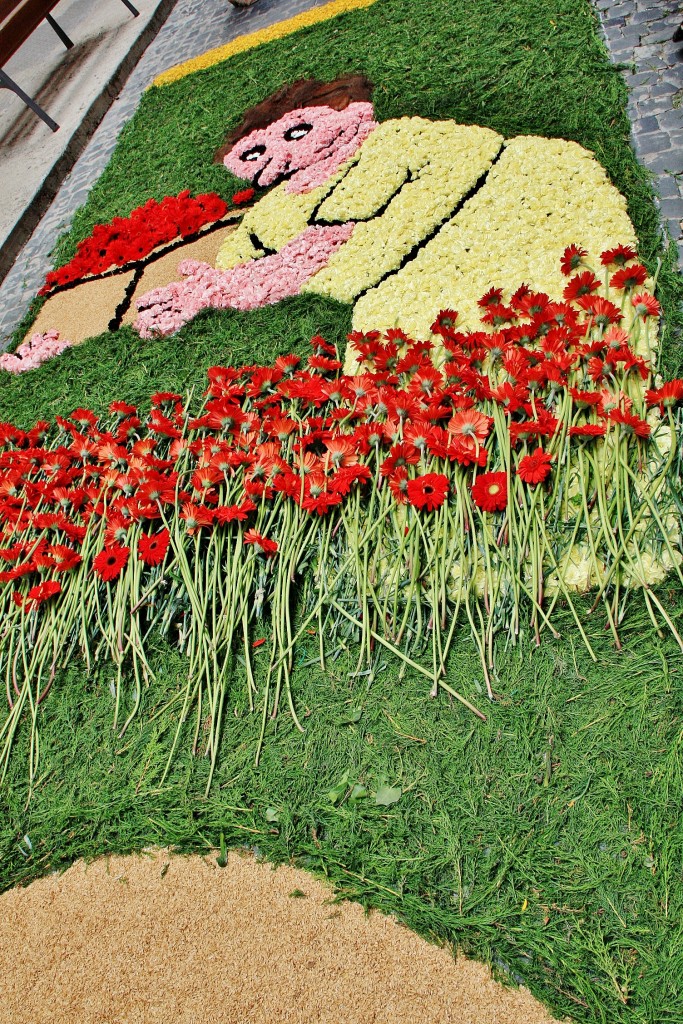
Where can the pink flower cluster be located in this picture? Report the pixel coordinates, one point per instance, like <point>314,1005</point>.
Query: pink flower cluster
<point>32,353</point>
<point>309,144</point>
<point>247,286</point>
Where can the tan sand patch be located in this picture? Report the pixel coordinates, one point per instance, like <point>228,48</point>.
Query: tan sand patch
<point>164,270</point>
<point>84,311</point>
<point>161,938</point>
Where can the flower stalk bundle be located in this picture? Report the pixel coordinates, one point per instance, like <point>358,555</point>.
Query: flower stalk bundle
<point>480,478</point>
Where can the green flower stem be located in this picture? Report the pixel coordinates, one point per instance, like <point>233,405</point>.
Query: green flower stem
<point>647,495</point>
<point>326,597</point>
<point>563,587</point>
<point>408,661</point>
<point>652,507</point>
<point>591,543</point>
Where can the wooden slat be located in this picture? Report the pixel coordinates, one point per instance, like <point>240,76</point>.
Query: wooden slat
<point>18,19</point>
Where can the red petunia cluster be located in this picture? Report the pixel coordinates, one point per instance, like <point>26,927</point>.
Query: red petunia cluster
<point>128,239</point>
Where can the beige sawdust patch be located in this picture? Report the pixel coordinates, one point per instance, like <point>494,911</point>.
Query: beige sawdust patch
<point>87,309</point>
<point>161,938</point>
<point>84,311</point>
<point>165,269</point>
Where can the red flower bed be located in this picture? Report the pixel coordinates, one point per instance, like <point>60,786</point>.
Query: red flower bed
<point>132,238</point>
<point>415,491</point>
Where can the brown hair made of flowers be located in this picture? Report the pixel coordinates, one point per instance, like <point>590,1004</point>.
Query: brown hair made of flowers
<point>306,92</point>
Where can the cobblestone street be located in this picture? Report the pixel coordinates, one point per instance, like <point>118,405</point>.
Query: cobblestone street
<point>639,34</point>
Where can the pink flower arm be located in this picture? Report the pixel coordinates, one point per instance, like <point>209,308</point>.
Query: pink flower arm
<point>247,286</point>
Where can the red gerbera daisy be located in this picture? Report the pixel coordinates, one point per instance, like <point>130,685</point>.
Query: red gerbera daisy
<point>602,311</point>
<point>63,557</point>
<point>584,399</point>
<point>493,297</point>
<point>470,424</point>
<point>588,430</point>
<point>322,502</point>
<point>645,305</point>
<point>37,595</point>
<point>445,321</point>
<point>618,257</point>
<point>670,394</point>
<point>428,491</point>
<point>490,492</point>
<point>629,277</point>
<point>262,545</point>
<point>243,196</point>
<point>152,547</point>
<point>196,516</point>
<point>122,408</point>
<point>629,423</point>
<point>582,284</point>
<point>110,561</point>
<point>398,483</point>
<point>571,259</point>
<point>534,468</point>
<point>84,417</point>
<point>401,454</point>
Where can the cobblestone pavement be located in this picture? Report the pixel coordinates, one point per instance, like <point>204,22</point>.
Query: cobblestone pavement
<point>192,28</point>
<point>637,32</point>
<point>638,35</point>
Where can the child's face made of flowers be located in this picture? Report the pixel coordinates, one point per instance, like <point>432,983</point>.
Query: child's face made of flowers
<point>296,141</point>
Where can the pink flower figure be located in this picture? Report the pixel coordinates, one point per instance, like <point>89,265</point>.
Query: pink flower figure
<point>304,148</point>
<point>34,352</point>
<point>309,144</point>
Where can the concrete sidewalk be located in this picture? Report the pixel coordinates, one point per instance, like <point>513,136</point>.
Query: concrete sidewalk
<point>75,87</point>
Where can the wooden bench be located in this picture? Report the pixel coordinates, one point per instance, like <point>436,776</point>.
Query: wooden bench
<point>18,19</point>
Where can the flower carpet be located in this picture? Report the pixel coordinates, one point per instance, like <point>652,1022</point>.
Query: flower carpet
<point>385,421</point>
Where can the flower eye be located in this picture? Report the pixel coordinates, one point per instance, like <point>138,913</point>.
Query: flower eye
<point>253,154</point>
<point>297,131</point>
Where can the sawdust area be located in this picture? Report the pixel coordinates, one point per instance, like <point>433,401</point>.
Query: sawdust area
<point>164,938</point>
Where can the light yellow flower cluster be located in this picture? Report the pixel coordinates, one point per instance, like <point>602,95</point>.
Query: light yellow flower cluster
<point>409,178</point>
<point>648,566</point>
<point>274,221</point>
<point>541,196</point>
<point>404,181</point>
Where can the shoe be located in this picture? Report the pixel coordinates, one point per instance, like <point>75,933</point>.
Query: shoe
<point>677,37</point>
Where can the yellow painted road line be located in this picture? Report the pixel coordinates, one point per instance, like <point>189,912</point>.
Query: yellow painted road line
<point>264,35</point>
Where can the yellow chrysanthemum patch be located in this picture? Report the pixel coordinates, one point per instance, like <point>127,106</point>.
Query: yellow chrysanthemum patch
<point>420,168</point>
<point>541,196</point>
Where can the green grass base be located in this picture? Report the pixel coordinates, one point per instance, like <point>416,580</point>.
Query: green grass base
<point>547,841</point>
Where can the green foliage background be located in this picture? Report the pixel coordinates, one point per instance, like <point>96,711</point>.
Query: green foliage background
<point>569,797</point>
